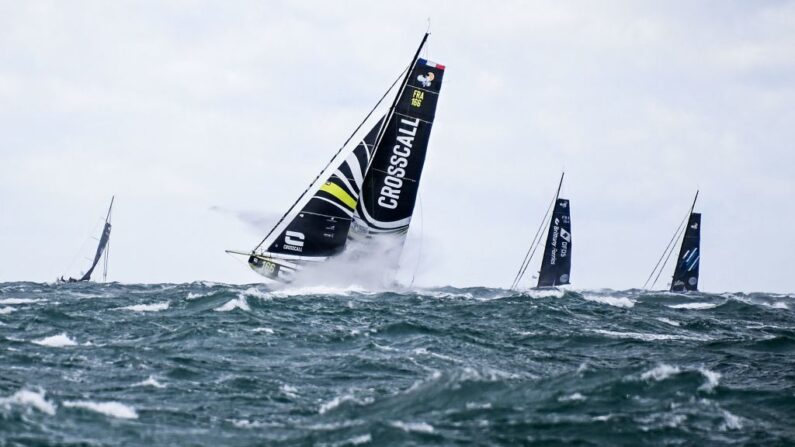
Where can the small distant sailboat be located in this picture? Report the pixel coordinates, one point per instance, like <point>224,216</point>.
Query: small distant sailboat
<point>365,195</point>
<point>685,277</point>
<point>103,248</point>
<point>556,263</point>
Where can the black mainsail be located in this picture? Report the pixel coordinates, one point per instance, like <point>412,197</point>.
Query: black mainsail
<point>372,188</point>
<point>556,262</point>
<point>102,248</point>
<point>685,277</point>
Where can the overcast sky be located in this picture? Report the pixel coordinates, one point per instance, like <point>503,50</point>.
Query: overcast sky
<point>206,119</point>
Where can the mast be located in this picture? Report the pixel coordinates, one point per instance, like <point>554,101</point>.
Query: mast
<point>107,247</point>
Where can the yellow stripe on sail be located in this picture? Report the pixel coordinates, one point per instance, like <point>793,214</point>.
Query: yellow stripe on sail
<point>336,191</point>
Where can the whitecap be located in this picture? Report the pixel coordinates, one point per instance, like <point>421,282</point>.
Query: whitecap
<point>154,307</point>
<point>318,290</point>
<point>693,306</point>
<point>544,293</point>
<point>193,296</point>
<point>6,310</point>
<point>646,337</point>
<point>151,381</point>
<point>112,409</point>
<point>778,305</point>
<point>238,303</point>
<point>730,422</point>
<point>661,372</point>
<point>56,341</point>
<point>266,330</point>
<point>254,293</point>
<point>29,398</point>
<point>713,378</point>
<point>419,427</point>
<point>19,301</point>
<point>571,398</point>
<point>289,390</point>
<point>667,321</point>
<point>617,301</point>
<point>603,418</point>
<point>336,402</point>
<point>358,440</point>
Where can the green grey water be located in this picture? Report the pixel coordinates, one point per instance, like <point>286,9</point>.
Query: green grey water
<point>213,364</point>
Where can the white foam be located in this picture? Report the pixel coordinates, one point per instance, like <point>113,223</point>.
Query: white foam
<point>56,341</point>
<point>266,330</point>
<point>661,372</point>
<point>778,305</point>
<point>254,293</point>
<point>646,337</point>
<point>193,296</point>
<point>694,306</point>
<point>154,307</point>
<point>336,402</point>
<point>713,378</point>
<point>359,440</point>
<point>19,300</point>
<point>31,399</point>
<point>289,390</point>
<point>6,310</point>
<point>544,293</point>
<point>617,301</point>
<point>151,381</point>
<point>603,418</point>
<point>419,427</point>
<point>730,422</point>
<point>571,398</point>
<point>667,321</point>
<point>318,290</point>
<point>238,303</point>
<point>112,409</point>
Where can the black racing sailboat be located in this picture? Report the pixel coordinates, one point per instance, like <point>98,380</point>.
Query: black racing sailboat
<point>367,192</point>
<point>685,277</point>
<point>556,262</point>
<point>103,248</point>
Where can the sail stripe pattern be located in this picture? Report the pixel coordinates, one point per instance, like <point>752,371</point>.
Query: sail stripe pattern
<point>390,186</point>
<point>320,228</point>
<point>556,263</point>
<point>687,265</point>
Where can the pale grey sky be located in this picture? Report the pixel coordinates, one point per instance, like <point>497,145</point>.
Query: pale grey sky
<point>183,108</point>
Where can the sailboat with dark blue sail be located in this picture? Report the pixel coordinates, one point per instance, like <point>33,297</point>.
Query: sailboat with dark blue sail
<point>102,252</point>
<point>556,262</point>
<point>685,276</point>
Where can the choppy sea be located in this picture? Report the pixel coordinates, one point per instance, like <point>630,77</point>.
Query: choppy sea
<point>220,365</point>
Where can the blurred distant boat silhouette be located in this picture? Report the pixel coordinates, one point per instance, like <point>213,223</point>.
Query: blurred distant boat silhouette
<point>103,248</point>
<point>365,195</point>
<point>556,262</point>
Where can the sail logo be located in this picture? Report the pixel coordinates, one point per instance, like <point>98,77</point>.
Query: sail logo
<point>426,80</point>
<point>294,240</point>
<point>565,235</point>
<point>396,171</point>
<point>694,226</point>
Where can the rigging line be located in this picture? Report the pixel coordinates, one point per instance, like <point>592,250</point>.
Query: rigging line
<point>667,247</point>
<point>528,254</point>
<point>531,250</point>
<point>670,252</point>
<point>332,158</point>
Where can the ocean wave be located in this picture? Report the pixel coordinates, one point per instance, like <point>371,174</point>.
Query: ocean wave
<point>151,381</point>
<point>112,409</point>
<point>5,310</point>
<point>32,399</point>
<point>698,306</point>
<point>617,301</point>
<point>266,330</point>
<point>56,341</point>
<point>660,372</point>
<point>20,301</point>
<point>418,427</point>
<point>237,303</point>
<point>647,337</point>
<point>154,307</point>
<point>668,321</point>
<point>339,400</point>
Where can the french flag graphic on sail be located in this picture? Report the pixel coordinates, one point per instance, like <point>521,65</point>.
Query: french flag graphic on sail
<point>422,61</point>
